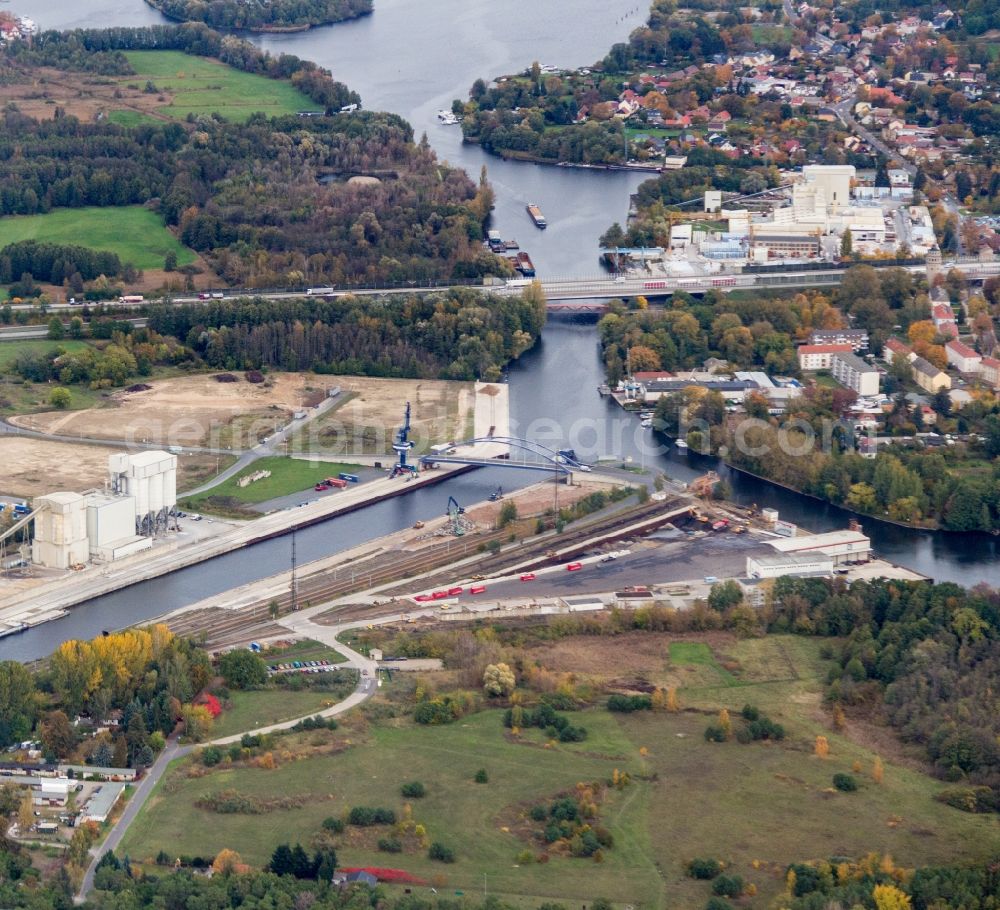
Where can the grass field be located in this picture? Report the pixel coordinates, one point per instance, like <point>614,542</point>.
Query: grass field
<point>757,807</point>
<point>131,118</point>
<point>288,475</point>
<point>136,234</point>
<point>467,816</point>
<point>201,86</point>
<point>698,656</point>
<point>772,32</point>
<point>268,706</point>
<point>11,350</point>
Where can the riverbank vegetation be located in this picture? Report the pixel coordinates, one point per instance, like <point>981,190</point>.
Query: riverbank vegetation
<point>570,116</point>
<point>810,446</point>
<point>453,334</point>
<point>673,88</point>
<point>263,15</point>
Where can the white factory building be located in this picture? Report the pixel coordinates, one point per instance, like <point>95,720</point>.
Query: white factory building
<point>151,479</point>
<point>74,528</point>
<point>820,205</point>
<point>839,546</point>
<point>794,564</point>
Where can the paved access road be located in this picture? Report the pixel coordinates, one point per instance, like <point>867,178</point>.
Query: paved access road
<point>301,623</point>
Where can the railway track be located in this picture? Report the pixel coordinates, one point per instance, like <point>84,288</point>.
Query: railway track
<point>222,627</point>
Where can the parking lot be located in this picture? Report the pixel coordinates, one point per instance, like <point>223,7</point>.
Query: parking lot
<point>657,560</point>
<point>301,666</point>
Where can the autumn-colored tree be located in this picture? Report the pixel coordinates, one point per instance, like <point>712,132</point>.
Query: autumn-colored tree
<point>725,723</point>
<point>226,862</point>
<point>642,358</point>
<point>25,814</point>
<point>197,721</point>
<point>84,837</point>
<point>889,897</point>
<point>57,734</point>
<point>498,680</point>
<point>878,771</point>
<point>839,721</point>
<point>922,331</point>
<point>822,747</point>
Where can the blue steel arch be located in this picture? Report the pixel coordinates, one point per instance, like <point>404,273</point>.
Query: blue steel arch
<point>552,460</point>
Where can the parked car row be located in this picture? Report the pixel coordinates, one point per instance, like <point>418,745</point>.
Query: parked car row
<point>302,666</point>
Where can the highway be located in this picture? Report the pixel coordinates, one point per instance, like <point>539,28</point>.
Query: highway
<point>590,294</point>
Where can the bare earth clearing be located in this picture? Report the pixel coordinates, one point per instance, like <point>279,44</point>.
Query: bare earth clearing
<point>186,411</point>
<point>200,411</point>
<point>368,420</point>
<point>32,467</point>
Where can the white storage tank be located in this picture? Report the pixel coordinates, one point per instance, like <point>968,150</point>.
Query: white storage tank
<point>139,489</point>
<point>152,480</point>
<point>154,484</point>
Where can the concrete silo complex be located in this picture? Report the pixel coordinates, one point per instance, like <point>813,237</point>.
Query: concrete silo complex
<point>150,478</point>
<point>105,525</point>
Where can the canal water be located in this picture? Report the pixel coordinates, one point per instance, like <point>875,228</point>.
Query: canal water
<point>413,59</point>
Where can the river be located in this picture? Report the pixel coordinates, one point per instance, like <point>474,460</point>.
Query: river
<point>413,59</point>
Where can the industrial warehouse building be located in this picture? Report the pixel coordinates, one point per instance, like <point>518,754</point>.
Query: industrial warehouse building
<point>796,564</point>
<point>101,802</point>
<point>840,546</point>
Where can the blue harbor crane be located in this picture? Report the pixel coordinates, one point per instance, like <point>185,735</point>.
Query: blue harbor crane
<point>402,446</point>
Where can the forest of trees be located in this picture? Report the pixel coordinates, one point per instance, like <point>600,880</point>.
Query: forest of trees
<point>762,331</point>
<point>56,262</point>
<point>925,655</point>
<point>455,334</point>
<point>149,675</point>
<point>263,15</point>
<point>266,202</point>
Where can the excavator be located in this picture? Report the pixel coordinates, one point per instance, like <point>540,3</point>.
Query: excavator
<point>454,510</point>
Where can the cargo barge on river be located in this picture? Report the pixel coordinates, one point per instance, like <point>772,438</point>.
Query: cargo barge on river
<point>535,213</point>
